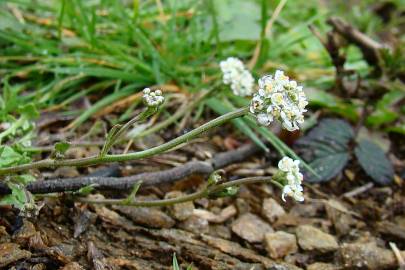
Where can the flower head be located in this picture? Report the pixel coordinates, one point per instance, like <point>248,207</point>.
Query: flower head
<point>290,173</point>
<point>237,76</point>
<point>279,98</point>
<point>152,98</point>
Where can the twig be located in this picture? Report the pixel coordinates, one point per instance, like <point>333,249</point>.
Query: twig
<point>369,47</point>
<point>358,190</point>
<point>398,255</point>
<point>332,47</point>
<point>154,178</point>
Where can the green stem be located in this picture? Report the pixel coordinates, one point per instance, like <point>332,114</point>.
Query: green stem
<point>140,117</point>
<point>174,117</point>
<point>93,160</point>
<point>189,197</point>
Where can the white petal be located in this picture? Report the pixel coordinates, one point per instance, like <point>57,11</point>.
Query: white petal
<point>264,119</point>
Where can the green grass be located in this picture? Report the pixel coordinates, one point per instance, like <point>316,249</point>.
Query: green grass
<point>56,52</point>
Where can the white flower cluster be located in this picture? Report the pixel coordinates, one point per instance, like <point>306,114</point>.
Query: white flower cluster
<point>237,76</point>
<point>152,98</point>
<point>291,172</point>
<point>279,98</point>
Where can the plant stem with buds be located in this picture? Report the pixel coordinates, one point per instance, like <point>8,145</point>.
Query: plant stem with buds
<point>207,191</point>
<point>94,160</point>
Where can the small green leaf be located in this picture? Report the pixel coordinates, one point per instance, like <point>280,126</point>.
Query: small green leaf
<point>321,98</point>
<point>24,179</point>
<point>109,141</point>
<point>86,190</point>
<point>214,178</point>
<point>226,192</point>
<point>29,111</point>
<point>17,197</point>
<point>175,263</point>
<point>62,147</point>
<point>384,110</point>
<point>10,157</point>
<point>374,162</point>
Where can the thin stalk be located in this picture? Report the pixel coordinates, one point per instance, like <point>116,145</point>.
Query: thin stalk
<point>93,160</point>
<point>115,136</point>
<point>174,117</point>
<point>205,192</point>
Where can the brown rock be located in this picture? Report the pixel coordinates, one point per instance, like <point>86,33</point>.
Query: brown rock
<point>223,216</point>
<point>242,206</point>
<point>36,242</point>
<point>39,266</point>
<point>96,257</point>
<point>4,236</point>
<point>10,252</point>
<point>82,220</point>
<point>251,228</point>
<point>272,210</point>
<point>220,231</point>
<point>23,235</point>
<point>195,224</point>
<point>322,266</point>
<point>367,256</point>
<point>311,238</point>
<point>391,229</point>
<point>246,254</point>
<point>63,253</point>
<point>339,216</point>
<point>149,217</point>
<point>112,217</point>
<point>280,244</point>
<point>180,211</point>
<point>307,209</point>
<point>72,266</point>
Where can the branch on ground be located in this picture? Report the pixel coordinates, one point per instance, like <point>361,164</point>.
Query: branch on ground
<point>104,182</point>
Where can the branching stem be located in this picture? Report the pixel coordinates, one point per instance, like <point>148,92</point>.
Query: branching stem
<point>207,191</point>
<point>94,160</point>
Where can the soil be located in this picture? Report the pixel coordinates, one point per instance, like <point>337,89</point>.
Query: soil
<point>347,223</point>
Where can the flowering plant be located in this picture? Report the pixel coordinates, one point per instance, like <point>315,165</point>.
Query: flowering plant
<point>278,98</point>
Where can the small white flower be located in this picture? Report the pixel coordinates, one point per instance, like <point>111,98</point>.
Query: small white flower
<point>281,98</point>
<point>152,98</point>
<point>256,104</point>
<point>264,119</point>
<point>277,99</point>
<point>237,76</point>
<point>286,164</point>
<point>289,170</point>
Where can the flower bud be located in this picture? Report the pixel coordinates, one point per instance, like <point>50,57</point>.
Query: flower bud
<point>152,98</point>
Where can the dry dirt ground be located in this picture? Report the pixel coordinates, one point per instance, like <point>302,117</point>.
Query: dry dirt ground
<point>344,224</point>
